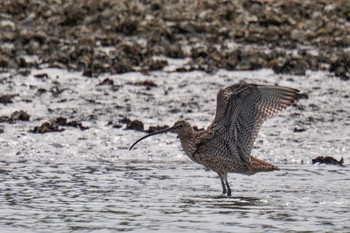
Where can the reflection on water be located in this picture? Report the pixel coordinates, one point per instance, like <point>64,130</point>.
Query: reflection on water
<point>223,202</point>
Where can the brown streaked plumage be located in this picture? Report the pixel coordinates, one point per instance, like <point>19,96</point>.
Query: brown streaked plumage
<point>225,146</point>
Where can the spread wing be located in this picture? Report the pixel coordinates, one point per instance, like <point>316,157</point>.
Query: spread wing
<point>241,110</point>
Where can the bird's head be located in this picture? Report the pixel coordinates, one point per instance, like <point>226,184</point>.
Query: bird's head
<point>181,128</point>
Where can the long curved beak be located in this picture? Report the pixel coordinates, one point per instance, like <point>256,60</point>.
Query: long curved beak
<point>151,134</point>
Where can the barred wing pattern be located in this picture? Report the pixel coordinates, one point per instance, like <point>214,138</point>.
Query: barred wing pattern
<point>241,110</point>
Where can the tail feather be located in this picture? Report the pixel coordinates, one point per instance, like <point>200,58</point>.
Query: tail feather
<point>262,166</point>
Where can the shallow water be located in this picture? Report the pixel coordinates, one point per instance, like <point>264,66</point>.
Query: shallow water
<point>87,181</point>
<point>170,196</point>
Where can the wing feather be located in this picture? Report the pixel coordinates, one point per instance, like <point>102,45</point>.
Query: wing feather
<point>241,110</point>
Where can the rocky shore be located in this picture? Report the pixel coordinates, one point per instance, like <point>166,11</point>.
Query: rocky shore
<point>98,37</point>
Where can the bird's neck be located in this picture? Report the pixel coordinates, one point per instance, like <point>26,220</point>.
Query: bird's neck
<point>187,143</point>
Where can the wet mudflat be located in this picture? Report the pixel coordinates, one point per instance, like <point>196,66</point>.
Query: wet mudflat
<point>85,179</point>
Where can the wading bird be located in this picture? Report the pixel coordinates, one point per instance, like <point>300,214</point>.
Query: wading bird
<point>225,146</point>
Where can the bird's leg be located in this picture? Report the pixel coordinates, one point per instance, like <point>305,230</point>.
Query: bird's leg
<point>224,178</point>
<point>223,185</point>
<point>228,188</point>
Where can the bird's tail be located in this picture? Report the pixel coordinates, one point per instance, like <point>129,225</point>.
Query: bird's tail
<point>262,166</point>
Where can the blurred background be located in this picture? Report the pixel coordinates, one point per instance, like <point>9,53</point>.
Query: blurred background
<point>121,36</point>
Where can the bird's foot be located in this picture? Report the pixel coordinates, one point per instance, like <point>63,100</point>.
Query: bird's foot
<point>224,191</point>
<point>228,191</point>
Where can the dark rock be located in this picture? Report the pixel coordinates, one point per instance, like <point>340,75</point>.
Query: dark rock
<point>62,121</point>
<point>21,62</point>
<point>146,83</point>
<point>117,126</point>
<point>186,68</point>
<point>88,72</point>
<point>77,124</point>
<point>6,99</point>
<point>127,27</point>
<point>53,126</point>
<point>25,72</point>
<point>4,172</point>
<point>131,53</point>
<point>20,116</point>
<point>154,65</point>
<point>341,67</point>
<point>199,53</point>
<point>47,127</point>
<point>41,91</point>
<point>4,119</point>
<point>153,129</point>
<point>56,91</point>
<point>121,67</point>
<point>291,66</point>
<point>16,116</point>
<point>42,75</point>
<point>328,160</point>
<point>299,130</point>
<point>107,81</point>
<point>135,125</point>
<point>174,51</point>
<point>4,64</point>
<point>125,120</point>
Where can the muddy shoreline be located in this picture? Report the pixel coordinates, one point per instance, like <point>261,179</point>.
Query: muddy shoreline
<point>115,37</point>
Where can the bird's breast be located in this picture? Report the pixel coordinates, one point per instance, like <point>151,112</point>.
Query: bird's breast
<point>189,148</point>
